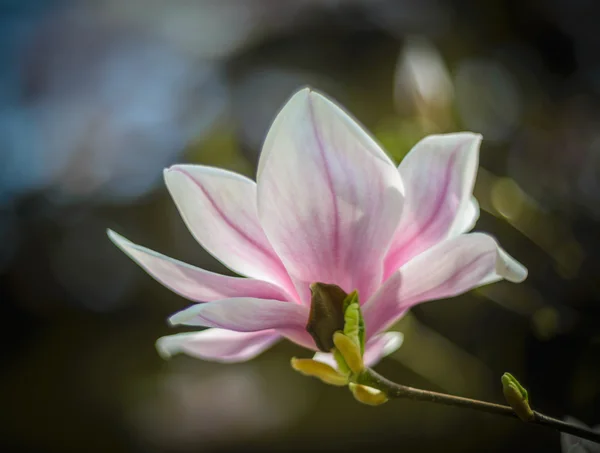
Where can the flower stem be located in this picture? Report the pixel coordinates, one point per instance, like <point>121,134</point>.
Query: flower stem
<point>370,378</point>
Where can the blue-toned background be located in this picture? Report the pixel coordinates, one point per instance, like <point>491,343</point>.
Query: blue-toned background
<point>98,96</point>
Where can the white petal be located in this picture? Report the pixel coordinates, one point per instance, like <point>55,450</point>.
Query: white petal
<point>217,344</point>
<point>244,314</point>
<point>466,219</point>
<point>380,346</point>
<point>327,358</point>
<point>219,208</point>
<point>448,269</point>
<point>329,198</point>
<point>194,283</point>
<point>438,176</point>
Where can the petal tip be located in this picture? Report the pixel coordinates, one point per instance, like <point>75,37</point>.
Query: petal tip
<point>173,173</point>
<point>522,274</point>
<point>509,268</point>
<point>305,90</point>
<point>471,140</point>
<point>300,100</point>
<point>475,136</point>
<point>394,342</point>
<point>187,316</point>
<point>169,171</point>
<point>116,238</point>
<point>163,347</point>
<point>175,320</point>
<point>308,94</point>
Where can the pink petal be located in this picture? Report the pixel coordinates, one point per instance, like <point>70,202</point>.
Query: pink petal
<point>218,345</point>
<point>219,208</point>
<point>194,283</point>
<point>329,198</point>
<point>244,314</point>
<point>450,268</point>
<point>438,176</point>
<point>380,346</point>
<point>299,336</point>
<point>376,348</point>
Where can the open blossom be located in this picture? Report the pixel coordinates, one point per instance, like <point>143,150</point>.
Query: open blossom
<point>328,206</point>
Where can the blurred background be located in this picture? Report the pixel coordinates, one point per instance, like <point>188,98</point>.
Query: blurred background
<point>97,97</point>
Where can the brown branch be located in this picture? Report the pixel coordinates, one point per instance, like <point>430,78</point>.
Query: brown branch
<point>372,379</point>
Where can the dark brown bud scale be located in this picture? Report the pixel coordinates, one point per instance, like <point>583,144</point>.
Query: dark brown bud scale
<point>326,314</point>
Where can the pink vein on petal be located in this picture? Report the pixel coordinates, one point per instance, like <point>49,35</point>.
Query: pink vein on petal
<point>210,323</point>
<point>336,220</point>
<point>455,276</point>
<point>233,226</point>
<point>439,201</point>
<point>418,298</point>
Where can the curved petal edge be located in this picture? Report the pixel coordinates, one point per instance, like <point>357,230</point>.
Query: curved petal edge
<point>244,314</point>
<point>448,269</point>
<point>217,345</point>
<point>329,198</point>
<point>192,282</point>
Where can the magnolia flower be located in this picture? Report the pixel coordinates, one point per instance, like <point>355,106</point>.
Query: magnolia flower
<point>328,206</point>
